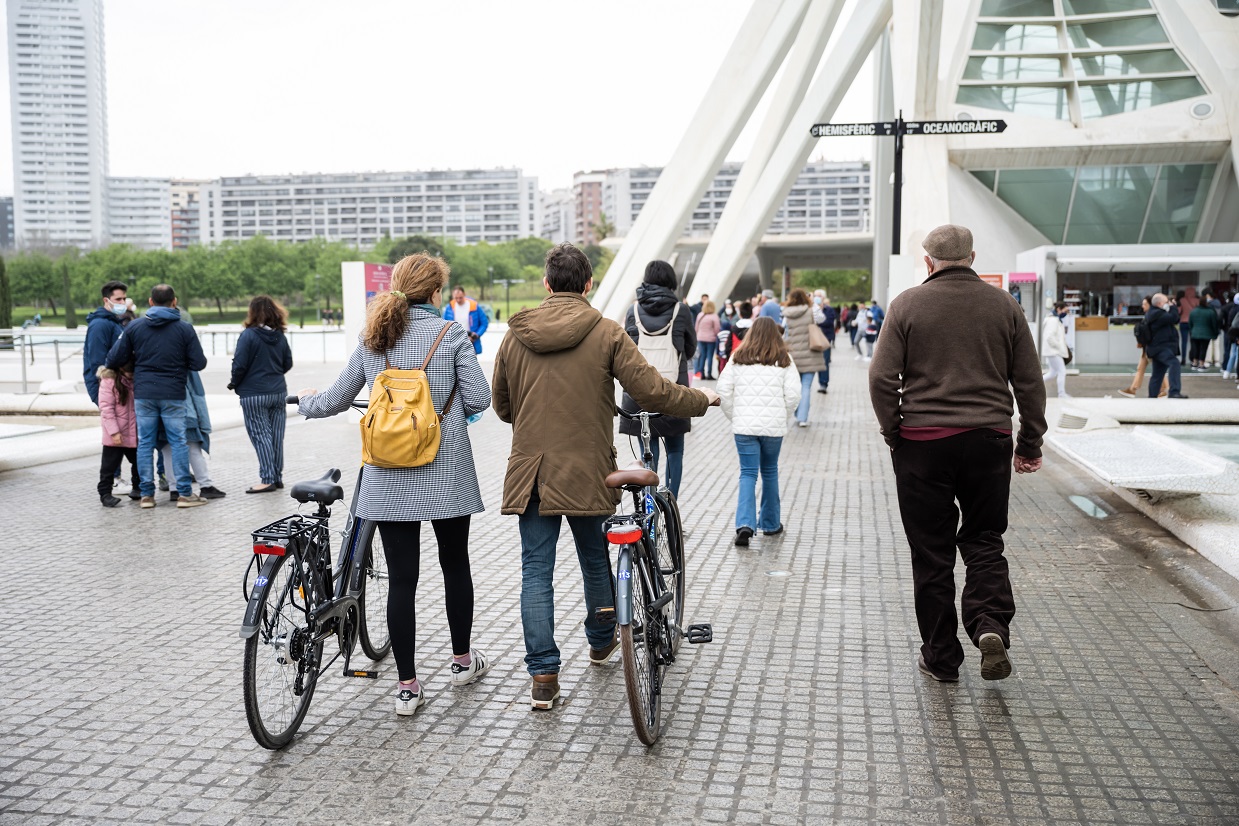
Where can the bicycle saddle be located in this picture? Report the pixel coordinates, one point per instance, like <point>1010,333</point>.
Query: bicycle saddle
<point>639,477</point>
<point>324,490</point>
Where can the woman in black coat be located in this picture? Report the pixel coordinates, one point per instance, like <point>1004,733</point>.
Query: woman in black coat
<point>656,299</point>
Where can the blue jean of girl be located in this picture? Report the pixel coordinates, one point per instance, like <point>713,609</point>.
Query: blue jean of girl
<point>759,455</point>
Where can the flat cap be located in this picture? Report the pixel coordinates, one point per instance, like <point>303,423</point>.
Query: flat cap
<point>948,243</point>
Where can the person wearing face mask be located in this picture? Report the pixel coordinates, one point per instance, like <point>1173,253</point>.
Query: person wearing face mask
<point>1054,348</point>
<point>103,328</point>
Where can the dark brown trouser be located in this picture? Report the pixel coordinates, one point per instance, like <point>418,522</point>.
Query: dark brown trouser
<point>974,468</point>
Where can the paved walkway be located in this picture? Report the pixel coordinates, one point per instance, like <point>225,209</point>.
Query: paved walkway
<point>120,690</point>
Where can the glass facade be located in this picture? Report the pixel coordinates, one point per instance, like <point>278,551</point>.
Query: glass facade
<point>1073,60</point>
<point>1131,204</point>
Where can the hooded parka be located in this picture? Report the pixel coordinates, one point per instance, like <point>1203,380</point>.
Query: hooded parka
<point>554,382</point>
<point>797,321</point>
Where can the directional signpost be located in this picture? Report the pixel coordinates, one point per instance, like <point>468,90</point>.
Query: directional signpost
<point>896,129</point>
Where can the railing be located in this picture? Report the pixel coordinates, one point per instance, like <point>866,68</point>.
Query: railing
<point>25,343</point>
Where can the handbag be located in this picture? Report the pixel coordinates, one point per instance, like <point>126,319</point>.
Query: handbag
<point>818,342</point>
<point>1070,355</point>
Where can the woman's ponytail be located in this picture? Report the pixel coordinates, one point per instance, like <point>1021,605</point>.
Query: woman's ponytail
<point>414,279</point>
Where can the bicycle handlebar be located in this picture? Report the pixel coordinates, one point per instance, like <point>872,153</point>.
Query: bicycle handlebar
<point>637,415</point>
<point>355,404</point>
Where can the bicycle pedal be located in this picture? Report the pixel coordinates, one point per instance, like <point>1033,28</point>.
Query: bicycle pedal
<point>700,633</point>
<point>605,616</point>
<point>366,675</point>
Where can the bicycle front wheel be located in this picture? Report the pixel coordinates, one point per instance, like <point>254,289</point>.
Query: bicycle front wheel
<point>281,663</point>
<point>639,640</point>
<point>375,636</point>
<point>668,553</point>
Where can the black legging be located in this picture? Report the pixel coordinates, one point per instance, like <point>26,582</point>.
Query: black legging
<point>1200,349</point>
<point>402,548</point>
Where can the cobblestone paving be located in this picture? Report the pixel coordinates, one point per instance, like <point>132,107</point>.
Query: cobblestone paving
<point>120,668</point>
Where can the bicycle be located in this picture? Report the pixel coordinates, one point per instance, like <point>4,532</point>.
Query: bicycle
<point>649,573</point>
<point>299,599</point>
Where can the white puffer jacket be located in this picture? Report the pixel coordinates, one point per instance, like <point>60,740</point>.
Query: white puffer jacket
<point>758,398</point>
<point>1053,337</point>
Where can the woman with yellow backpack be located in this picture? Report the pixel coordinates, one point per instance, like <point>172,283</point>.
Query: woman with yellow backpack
<point>417,461</point>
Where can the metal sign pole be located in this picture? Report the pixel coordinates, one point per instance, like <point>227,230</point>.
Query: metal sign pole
<point>897,193</point>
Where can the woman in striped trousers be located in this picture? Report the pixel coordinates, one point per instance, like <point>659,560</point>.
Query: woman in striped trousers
<point>261,359</point>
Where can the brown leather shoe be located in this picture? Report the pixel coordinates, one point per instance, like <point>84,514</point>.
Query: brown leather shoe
<point>599,656</point>
<point>545,691</point>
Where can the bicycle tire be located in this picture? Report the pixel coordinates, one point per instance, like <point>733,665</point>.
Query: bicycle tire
<point>374,634</point>
<point>641,669</point>
<point>275,714</point>
<point>668,552</point>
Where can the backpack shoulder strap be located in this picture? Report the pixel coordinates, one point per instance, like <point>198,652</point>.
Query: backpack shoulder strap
<point>636,315</point>
<point>435,346</point>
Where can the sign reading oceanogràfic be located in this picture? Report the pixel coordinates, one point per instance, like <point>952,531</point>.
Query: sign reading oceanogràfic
<point>954,127</point>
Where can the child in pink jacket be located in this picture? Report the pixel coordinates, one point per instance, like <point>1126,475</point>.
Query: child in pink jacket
<point>120,431</point>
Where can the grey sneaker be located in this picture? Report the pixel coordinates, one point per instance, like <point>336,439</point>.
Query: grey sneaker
<point>191,501</point>
<point>924,668</point>
<point>163,482</point>
<point>545,691</point>
<point>478,665</point>
<point>994,662</point>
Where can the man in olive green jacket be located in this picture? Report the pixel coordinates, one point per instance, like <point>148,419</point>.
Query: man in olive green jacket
<point>554,382</point>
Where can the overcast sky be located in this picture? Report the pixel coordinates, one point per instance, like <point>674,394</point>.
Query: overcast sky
<point>205,88</point>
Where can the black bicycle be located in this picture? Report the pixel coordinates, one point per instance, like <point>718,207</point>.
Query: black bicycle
<point>649,572</point>
<point>298,600</point>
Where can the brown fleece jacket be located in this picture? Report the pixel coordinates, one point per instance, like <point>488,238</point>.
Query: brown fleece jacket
<point>950,354</point>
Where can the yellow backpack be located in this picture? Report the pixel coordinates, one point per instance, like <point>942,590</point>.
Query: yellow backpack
<point>400,427</point>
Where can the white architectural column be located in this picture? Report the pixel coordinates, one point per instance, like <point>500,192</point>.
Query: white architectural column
<point>729,251</point>
<point>882,170</point>
<point>750,65</point>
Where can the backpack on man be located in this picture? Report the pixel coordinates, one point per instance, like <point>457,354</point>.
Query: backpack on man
<point>659,347</point>
<point>400,427</point>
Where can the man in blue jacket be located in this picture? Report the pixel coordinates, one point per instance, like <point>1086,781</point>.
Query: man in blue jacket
<point>163,351</point>
<point>1162,323</point>
<point>470,316</point>
<point>103,327</point>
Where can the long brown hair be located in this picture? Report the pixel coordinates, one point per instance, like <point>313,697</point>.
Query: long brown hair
<point>797,298</point>
<point>763,344</point>
<point>265,311</point>
<point>414,279</point>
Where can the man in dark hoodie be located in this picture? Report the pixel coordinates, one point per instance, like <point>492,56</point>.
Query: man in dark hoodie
<point>164,351</point>
<point>554,382</point>
<point>103,328</point>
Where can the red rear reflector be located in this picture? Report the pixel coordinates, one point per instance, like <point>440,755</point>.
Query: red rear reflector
<point>624,537</point>
<point>273,550</point>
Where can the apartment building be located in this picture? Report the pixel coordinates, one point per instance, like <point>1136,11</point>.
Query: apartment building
<point>138,212</point>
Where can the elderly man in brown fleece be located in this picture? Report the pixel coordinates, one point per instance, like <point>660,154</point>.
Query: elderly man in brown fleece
<point>942,393</point>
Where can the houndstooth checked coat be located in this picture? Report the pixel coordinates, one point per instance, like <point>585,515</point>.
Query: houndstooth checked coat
<point>448,486</point>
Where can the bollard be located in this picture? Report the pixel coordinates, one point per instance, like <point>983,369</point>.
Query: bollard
<point>324,337</point>
<point>22,339</point>
<point>56,349</point>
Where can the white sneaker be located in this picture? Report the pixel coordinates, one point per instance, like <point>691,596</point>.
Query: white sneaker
<point>802,424</point>
<point>407,701</point>
<point>465,674</point>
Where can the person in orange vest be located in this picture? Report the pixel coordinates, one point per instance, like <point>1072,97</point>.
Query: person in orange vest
<point>469,315</point>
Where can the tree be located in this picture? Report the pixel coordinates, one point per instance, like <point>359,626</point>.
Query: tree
<point>840,285</point>
<point>600,259</point>
<point>413,245</point>
<point>6,299</point>
<point>208,272</point>
<point>70,314</point>
<point>603,228</point>
<point>33,278</point>
<point>529,252</point>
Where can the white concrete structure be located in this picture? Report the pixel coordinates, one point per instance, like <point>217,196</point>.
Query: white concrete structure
<point>57,95</point>
<point>186,197</point>
<point>1121,116</point>
<point>139,212</point>
<point>467,206</point>
<point>558,216</point>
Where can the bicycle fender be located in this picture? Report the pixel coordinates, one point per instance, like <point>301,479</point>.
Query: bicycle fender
<point>253,609</point>
<point>623,589</point>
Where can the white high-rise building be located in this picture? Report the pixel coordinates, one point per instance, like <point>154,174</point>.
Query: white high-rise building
<point>558,216</point>
<point>139,212</point>
<point>57,93</point>
<point>467,206</point>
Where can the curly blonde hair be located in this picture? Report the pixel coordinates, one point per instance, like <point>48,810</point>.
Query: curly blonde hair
<point>418,277</point>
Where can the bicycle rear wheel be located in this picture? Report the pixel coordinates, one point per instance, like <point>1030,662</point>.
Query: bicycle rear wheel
<point>642,674</point>
<point>375,636</point>
<point>281,663</point>
<point>668,551</point>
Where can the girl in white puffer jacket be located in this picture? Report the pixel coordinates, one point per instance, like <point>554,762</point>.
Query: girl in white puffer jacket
<point>759,389</point>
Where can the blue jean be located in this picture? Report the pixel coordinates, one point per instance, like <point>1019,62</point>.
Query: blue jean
<point>675,460</point>
<point>539,535</point>
<point>705,357</point>
<point>150,412</point>
<point>1185,336</point>
<point>759,454</point>
<point>806,392</point>
<point>1232,358</point>
<point>1164,361</point>
<point>823,376</point>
